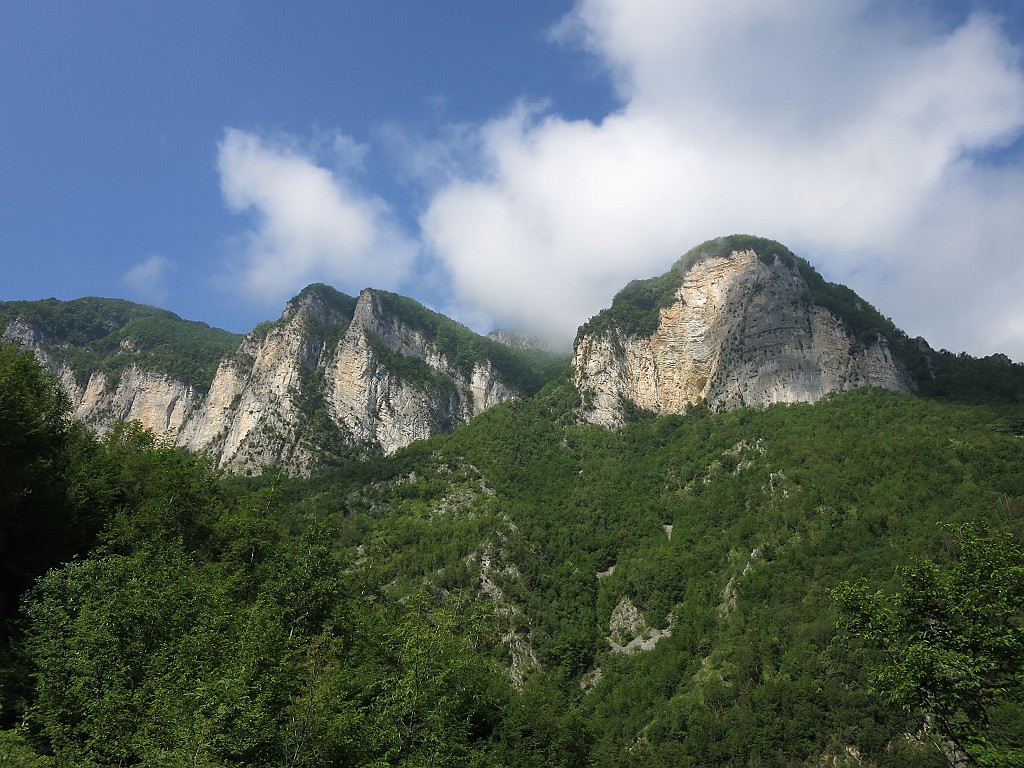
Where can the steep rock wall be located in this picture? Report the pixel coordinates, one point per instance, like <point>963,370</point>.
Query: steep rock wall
<point>254,415</point>
<point>333,377</point>
<point>159,402</point>
<point>388,408</point>
<point>738,332</point>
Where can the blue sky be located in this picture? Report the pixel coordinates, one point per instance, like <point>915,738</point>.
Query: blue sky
<point>512,164</point>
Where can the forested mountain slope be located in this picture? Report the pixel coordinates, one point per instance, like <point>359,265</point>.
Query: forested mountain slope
<point>525,590</point>
<point>531,587</point>
<point>671,579</point>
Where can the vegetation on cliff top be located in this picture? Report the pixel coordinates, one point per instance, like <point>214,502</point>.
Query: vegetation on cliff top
<point>108,335</point>
<point>524,371</point>
<point>635,309</point>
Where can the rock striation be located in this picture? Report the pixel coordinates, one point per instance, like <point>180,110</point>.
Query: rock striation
<point>731,328</point>
<point>391,406</point>
<point>158,401</point>
<point>335,377</point>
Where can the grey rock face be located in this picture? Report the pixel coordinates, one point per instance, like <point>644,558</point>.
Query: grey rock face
<point>739,332</point>
<point>320,374</point>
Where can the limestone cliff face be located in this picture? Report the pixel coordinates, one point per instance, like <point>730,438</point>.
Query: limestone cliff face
<point>251,418</point>
<point>287,394</point>
<point>736,332</point>
<point>334,376</point>
<point>391,408</point>
<point>158,401</point>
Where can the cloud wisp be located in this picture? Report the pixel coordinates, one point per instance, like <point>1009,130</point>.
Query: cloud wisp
<point>309,222</point>
<point>147,280</point>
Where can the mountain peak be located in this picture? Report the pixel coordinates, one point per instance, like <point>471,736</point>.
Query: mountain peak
<point>737,321</point>
<point>322,302</point>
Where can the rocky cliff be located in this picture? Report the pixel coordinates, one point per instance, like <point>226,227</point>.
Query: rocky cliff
<point>334,378</point>
<point>738,322</point>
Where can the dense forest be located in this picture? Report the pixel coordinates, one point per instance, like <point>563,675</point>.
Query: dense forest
<point>799,585</point>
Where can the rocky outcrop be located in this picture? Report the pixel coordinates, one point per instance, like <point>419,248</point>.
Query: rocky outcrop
<point>390,406</point>
<point>337,376</point>
<point>383,384</point>
<point>334,375</point>
<point>628,632</point>
<point>737,331</point>
<point>158,401</point>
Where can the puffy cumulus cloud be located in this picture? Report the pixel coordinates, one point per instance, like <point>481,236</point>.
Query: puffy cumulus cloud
<point>148,280</point>
<point>310,221</point>
<point>854,134</point>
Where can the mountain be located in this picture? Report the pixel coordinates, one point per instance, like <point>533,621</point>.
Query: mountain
<point>734,323</point>
<point>334,378</point>
<point>737,321</point>
<point>531,587</point>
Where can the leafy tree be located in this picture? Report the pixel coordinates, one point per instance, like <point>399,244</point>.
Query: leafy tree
<point>40,524</point>
<point>15,753</point>
<point>440,697</point>
<point>953,643</point>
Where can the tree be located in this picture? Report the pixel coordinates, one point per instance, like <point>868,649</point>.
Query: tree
<point>953,644</point>
<point>36,522</point>
<point>441,696</point>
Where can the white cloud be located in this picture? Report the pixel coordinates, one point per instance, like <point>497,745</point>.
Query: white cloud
<point>310,221</point>
<point>148,280</point>
<point>846,131</point>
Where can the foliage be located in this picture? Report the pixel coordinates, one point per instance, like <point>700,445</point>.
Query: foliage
<point>842,489</point>
<point>46,513</point>
<point>16,753</point>
<point>864,321</point>
<point>635,309</point>
<point>954,642</point>
<point>767,250</point>
<point>994,379</point>
<point>322,436</point>
<point>329,297</point>
<point>372,615</point>
<point>199,631</point>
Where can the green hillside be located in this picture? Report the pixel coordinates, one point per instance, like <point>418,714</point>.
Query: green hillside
<point>372,616</point>
<point>769,510</point>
